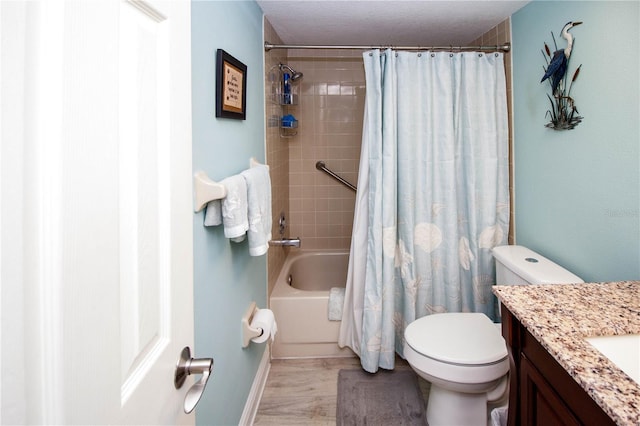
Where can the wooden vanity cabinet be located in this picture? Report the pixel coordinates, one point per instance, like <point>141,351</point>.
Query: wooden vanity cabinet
<point>541,391</point>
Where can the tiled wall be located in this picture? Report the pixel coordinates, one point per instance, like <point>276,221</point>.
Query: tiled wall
<point>330,116</point>
<point>501,34</point>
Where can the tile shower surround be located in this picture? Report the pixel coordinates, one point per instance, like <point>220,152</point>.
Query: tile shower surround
<point>330,114</point>
<point>319,210</point>
<point>277,158</point>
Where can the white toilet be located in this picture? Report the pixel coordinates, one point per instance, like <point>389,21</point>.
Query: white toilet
<point>464,356</point>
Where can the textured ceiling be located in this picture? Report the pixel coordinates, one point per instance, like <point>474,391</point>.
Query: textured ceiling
<point>390,22</point>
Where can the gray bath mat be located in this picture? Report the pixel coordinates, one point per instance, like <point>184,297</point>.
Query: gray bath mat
<point>384,398</point>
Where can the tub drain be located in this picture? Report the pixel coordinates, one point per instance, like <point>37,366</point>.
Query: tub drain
<point>290,279</point>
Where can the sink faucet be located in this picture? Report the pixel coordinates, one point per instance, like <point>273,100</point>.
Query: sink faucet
<point>291,242</point>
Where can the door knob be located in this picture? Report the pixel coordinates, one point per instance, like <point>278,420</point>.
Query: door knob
<point>186,366</point>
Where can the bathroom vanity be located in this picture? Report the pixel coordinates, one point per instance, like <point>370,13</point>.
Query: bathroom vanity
<point>557,376</point>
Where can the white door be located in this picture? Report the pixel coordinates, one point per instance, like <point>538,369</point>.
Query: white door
<point>97,287</point>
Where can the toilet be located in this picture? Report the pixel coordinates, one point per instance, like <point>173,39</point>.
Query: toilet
<point>464,356</point>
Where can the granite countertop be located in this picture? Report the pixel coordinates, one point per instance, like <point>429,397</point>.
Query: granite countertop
<point>561,316</point>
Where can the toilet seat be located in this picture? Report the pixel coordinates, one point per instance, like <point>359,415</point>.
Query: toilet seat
<point>464,348</point>
<point>467,339</point>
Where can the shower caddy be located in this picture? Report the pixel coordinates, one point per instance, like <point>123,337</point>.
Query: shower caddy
<point>285,99</point>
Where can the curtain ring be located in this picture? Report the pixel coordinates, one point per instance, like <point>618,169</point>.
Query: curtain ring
<point>451,55</point>
<point>419,55</point>
<point>479,55</point>
<point>433,55</point>
<point>497,54</point>
<point>370,54</point>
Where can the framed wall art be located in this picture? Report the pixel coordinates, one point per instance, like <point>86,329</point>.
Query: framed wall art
<point>231,87</point>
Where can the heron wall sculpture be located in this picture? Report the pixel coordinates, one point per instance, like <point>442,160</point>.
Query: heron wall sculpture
<point>563,112</point>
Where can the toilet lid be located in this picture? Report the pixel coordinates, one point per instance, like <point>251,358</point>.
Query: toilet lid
<point>457,338</point>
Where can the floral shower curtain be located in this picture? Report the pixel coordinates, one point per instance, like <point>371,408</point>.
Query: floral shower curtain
<point>433,195</point>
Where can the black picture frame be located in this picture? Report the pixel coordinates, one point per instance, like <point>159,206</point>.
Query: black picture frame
<point>231,87</point>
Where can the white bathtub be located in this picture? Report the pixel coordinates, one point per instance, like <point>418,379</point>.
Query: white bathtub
<point>300,308</point>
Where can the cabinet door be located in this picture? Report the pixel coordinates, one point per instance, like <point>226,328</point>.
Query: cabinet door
<point>540,404</point>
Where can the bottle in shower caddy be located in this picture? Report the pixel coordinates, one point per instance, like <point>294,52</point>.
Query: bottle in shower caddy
<point>286,88</point>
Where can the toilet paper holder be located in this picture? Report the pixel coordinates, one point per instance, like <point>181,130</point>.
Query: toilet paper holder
<point>249,332</point>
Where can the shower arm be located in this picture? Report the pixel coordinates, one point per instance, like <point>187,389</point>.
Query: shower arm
<point>321,166</point>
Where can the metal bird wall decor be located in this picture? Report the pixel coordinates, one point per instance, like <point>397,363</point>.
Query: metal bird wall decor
<point>563,112</point>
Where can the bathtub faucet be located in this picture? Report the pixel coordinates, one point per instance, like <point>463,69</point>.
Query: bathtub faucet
<point>291,242</point>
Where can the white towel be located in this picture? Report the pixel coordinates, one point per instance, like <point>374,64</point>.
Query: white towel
<point>213,216</point>
<point>259,208</point>
<point>234,208</point>
<point>336,301</point>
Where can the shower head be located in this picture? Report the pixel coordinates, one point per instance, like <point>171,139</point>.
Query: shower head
<point>295,75</point>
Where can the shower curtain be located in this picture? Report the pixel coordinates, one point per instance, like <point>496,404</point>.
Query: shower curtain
<point>433,195</point>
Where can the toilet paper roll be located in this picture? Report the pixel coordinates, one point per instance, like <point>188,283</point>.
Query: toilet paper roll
<point>264,320</point>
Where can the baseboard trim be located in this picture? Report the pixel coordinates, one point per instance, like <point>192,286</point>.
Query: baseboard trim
<point>257,388</point>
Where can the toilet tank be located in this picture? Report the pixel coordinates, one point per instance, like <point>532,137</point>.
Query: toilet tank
<point>517,265</point>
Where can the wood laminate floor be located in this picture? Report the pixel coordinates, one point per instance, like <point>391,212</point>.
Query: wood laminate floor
<point>304,391</point>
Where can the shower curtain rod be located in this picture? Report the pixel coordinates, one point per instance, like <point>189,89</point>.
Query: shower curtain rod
<point>506,47</point>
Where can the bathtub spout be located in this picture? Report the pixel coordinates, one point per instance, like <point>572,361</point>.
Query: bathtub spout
<point>291,242</point>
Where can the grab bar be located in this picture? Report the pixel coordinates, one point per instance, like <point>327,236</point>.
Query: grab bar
<point>321,166</point>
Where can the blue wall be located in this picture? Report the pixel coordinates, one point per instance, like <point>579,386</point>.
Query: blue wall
<point>578,191</point>
<point>226,278</point>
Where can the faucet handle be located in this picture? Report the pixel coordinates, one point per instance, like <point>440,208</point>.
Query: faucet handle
<point>282,222</point>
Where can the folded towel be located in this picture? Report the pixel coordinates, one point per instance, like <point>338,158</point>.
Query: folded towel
<point>259,208</point>
<point>213,216</point>
<point>234,208</point>
<point>336,301</point>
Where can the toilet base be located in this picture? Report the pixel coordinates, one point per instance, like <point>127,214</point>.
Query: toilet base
<point>447,408</point>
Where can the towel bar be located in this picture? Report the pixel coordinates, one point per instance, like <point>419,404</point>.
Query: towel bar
<point>207,190</point>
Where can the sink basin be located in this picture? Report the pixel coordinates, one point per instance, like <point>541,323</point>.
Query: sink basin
<point>623,351</point>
